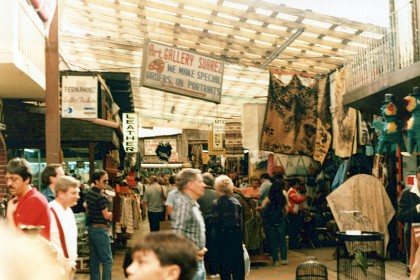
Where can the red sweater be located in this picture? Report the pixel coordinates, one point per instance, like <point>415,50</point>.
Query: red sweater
<point>295,200</point>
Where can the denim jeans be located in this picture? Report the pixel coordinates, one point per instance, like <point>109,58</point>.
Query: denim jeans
<point>277,238</point>
<point>100,253</point>
<point>154,219</point>
<point>201,272</point>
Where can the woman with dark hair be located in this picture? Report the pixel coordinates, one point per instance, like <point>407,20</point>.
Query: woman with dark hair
<point>274,213</point>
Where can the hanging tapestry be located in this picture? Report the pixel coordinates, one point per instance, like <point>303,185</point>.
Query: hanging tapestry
<point>233,138</point>
<point>323,136</point>
<point>344,121</point>
<point>324,113</point>
<point>290,118</point>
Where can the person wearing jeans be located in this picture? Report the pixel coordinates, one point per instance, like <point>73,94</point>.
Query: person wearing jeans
<point>274,210</point>
<point>99,218</point>
<point>276,235</point>
<point>100,253</point>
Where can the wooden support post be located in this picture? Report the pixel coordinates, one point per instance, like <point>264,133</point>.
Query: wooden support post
<point>92,146</point>
<point>52,94</point>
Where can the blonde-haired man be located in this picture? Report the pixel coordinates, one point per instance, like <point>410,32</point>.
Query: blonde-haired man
<point>63,223</point>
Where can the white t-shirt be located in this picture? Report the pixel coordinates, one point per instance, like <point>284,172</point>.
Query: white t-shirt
<point>68,223</point>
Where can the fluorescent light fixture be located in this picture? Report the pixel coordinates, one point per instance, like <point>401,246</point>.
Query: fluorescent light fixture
<point>282,48</point>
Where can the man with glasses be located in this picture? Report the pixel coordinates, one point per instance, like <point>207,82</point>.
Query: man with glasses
<point>99,218</point>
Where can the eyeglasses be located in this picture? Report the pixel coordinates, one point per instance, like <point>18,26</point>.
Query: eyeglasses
<point>105,181</point>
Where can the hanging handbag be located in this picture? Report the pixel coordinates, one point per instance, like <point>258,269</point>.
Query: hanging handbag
<point>300,167</point>
<point>278,166</point>
<point>290,169</point>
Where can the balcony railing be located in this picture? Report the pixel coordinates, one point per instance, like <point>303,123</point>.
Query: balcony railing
<point>22,51</point>
<point>383,51</point>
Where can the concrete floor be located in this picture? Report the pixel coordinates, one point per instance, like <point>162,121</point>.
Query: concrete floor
<point>394,270</point>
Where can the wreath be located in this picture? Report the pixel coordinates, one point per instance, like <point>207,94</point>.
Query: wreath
<point>163,151</point>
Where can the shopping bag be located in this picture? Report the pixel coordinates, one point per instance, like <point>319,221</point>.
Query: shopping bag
<point>290,169</point>
<point>247,260</point>
<point>300,167</point>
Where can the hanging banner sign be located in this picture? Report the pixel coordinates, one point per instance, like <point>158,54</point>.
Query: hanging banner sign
<point>218,130</point>
<point>79,97</point>
<point>211,150</point>
<point>219,126</point>
<point>130,132</point>
<point>182,72</point>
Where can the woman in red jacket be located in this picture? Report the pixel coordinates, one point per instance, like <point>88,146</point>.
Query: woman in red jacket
<point>296,204</point>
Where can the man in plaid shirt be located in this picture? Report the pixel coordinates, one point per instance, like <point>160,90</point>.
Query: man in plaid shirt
<point>187,218</point>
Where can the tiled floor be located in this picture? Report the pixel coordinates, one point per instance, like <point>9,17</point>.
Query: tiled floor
<point>394,270</point>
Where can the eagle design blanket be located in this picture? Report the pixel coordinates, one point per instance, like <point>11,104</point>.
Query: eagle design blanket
<point>290,121</point>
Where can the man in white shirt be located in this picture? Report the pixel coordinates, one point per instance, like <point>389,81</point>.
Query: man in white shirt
<point>264,188</point>
<point>63,223</point>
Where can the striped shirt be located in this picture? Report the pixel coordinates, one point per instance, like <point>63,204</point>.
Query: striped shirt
<point>188,220</point>
<point>96,202</point>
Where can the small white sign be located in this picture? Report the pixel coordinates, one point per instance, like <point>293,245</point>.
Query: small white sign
<point>79,97</point>
<point>219,126</point>
<point>130,132</point>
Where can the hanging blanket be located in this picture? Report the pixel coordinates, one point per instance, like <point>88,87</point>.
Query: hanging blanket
<point>344,121</point>
<point>290,118</point>
<point>366,196</point>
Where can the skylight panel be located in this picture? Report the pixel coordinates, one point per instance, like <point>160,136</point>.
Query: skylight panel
<point>332,39</point>
<point>165,2</point>
<point>160,11</point>
<point>211,1</point>
<point>241,38</point>
<point>196,9</point>
<point>263,12</point>
<point>235,6</point>
<point>287,17</point>
<point>127,3</point>
<point>372,35</point>
<point>194,18</point>
<point>269,35</point>
<point>192,27</point>
<point>316,23</point>
<point>128,14</point>
<point>217,33</point>
<point>160,20</point>
<point>277,27</point>
<point>223,15</point>
<point>345,29</point>
<point>263,43</point>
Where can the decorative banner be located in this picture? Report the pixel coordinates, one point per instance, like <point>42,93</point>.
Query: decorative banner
<point>79,97</point>
<point>151,145</point>
<point>212,151</point>
<point>130,132</point>
<point>182,72</point>
<point>290,118</point>
<point>218,130</point>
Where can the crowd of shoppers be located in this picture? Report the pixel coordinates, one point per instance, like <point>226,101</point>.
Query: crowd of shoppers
<point>207,219</point>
